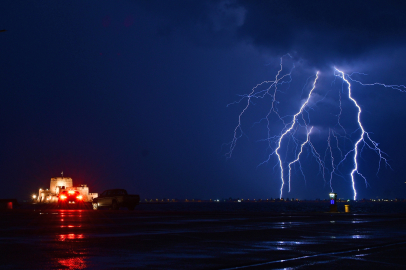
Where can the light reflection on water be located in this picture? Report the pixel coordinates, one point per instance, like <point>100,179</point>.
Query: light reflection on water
<point>291,243</point>
<point>361,255</point>
<point>354,236</point>
<point>360,236</point>
<point>73,263</point>
<point>282,245</point>
<point>72,258</point>
<point>358,221</point>
<point>71,236</point>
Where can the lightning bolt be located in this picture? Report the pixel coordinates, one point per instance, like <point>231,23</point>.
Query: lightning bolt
<point>364,138</point>
<point>400,88</point>
<point>331,158</point>
<point>290,128</point>
<point>298,155</point>
<point>238,132</point>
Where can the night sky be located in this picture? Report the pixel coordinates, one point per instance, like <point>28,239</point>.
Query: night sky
<point>134,94</point>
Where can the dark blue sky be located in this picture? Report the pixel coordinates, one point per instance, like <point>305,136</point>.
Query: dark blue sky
<point>134,94</point>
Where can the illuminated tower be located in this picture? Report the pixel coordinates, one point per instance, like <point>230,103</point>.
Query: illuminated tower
<point>63,182</point>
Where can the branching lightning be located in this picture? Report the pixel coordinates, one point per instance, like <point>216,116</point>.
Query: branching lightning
<point>364,135</point>
<point>331,158</point>
<point>238,132</point>
<point>298,155</point>
<point>302,120</point>
<point>290,129</point>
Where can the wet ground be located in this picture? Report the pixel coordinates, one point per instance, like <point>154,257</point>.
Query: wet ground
<point>46,238</point>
